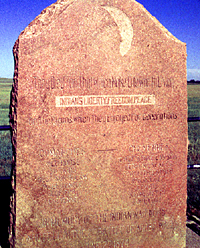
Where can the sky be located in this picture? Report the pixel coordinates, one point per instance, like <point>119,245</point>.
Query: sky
<point>180,17</point>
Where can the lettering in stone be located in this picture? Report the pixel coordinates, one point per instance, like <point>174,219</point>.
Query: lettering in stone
<point>104,100</point>
<point>66,82</point>
<point>103,217</point>
<point>163,116</point>
<point>147,159</point>
<point>129,117</point>
<point>54,152</point>
<point>147,148</point>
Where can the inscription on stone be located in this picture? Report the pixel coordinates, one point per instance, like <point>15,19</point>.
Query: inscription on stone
<point>99,124</point>
<point>83,101</point>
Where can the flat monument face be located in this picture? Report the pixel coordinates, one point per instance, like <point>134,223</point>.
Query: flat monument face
<point>101,129</point>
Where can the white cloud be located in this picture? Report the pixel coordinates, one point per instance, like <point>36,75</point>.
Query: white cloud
<point>193,74</point>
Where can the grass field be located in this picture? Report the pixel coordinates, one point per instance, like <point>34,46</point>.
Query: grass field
<point>194,127</point>
<point>194,147</point>
<point>5,88</point>
<point>5,144</point>
<point>193,188</point>
<point>193,133</point>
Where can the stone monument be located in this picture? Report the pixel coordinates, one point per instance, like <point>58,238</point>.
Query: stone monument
<point>99,129</point>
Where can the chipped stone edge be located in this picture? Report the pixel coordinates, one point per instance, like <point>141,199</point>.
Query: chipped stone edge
<point>13,125</point>
<point>45,17</point>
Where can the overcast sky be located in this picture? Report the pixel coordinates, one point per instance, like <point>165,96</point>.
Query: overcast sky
<point>180,17</point>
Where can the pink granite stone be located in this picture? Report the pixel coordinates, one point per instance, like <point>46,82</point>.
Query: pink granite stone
<point>99,118</point>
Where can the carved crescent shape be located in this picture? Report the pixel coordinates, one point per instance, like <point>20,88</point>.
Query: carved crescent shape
<point>125,27</point>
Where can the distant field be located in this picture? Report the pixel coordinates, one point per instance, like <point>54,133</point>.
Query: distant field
<point>5,88</point>
<point>193,181</point>
<point>194,100</point>
<point>194,127</point>
<point>5,144</point>
<point>193,188</point>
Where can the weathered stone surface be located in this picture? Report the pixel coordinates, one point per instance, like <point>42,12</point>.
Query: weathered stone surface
<point>101,125</point>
